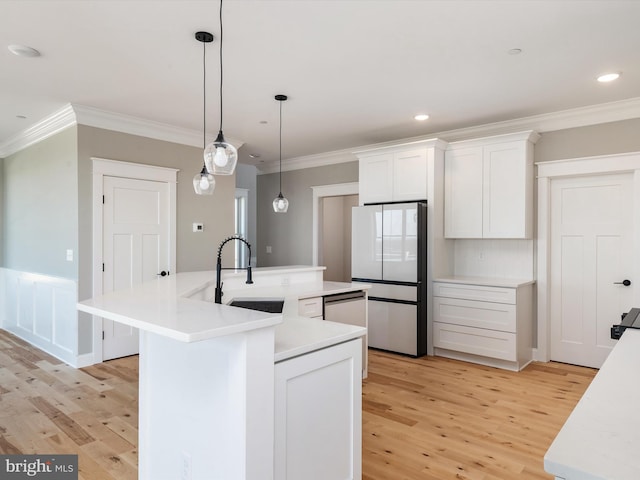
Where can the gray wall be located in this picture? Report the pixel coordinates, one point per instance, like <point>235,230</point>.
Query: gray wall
<point>40,207</point>
<point>290,234</point>
<point>602,139</point>
<point>195,251</point>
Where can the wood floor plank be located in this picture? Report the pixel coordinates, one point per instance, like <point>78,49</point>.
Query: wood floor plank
<point>423,419</point>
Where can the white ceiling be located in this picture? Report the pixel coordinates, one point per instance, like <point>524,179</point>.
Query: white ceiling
<point>355,71</point>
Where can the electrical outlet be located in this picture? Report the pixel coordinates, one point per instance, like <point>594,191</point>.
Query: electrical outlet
<point>186,466</point>
<point>285,281</point>
<point>269,250</point>
<point>69,255</point>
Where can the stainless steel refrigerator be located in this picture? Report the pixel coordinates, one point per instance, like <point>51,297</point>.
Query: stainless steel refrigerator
<point>389,251</point>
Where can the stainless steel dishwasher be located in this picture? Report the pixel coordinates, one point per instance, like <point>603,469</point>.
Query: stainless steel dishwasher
<point>350,308</point>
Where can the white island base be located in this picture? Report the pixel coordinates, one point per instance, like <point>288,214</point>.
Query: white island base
<point>203,409</point>
<point>234,394</point>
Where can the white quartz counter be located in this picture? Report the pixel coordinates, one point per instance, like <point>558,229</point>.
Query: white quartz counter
<point>485,281</point>
<point>163,307</point>
<point>599,439</point>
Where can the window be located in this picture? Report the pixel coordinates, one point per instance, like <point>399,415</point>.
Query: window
<point>241,206</point>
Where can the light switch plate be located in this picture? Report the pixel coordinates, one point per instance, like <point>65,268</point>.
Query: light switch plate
<point>69,255</point>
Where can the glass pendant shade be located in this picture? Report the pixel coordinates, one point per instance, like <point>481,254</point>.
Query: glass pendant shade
<point>280,204</point>
<point>220,157</point>
<point>204,183</point>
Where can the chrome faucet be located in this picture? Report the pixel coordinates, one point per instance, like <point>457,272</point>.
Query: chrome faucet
<point>218,298</point>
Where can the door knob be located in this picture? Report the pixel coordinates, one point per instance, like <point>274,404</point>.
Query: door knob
<point>164,274</point>
<point>625,282</point>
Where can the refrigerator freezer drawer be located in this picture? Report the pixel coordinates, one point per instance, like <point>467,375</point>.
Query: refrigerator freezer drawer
<point>393,326</point>
<point>394,292</point>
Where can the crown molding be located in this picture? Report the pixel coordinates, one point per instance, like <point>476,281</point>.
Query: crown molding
<point>71,115</point>
<point>309,161</point>
<point>547,122</point>
<point>51,125</point>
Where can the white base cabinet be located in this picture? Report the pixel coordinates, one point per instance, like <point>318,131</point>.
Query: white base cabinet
<point>486,324</point>
<point>318,414</point>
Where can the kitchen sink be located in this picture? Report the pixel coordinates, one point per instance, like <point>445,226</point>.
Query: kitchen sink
<point>268,305</point>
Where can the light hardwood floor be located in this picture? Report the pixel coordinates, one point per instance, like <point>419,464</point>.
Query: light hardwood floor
<point>428,418</point>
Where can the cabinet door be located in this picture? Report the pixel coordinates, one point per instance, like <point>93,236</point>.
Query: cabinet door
<point>318,415</point>
<point>375,182</point>
<point>410,175</point>
<point>507,179</point>
<point>463,193</point>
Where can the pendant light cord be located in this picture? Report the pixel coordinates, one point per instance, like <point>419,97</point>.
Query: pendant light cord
<point>204,95</point>
<point>280,147</point>
<point>220,65</point>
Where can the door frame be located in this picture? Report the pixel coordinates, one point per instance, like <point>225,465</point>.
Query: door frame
<point>573,167</point>
<point>102,167</point>
<point>319,192</point>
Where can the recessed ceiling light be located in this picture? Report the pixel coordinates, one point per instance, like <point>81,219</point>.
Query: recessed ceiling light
<point>608,77</point>
<point>21,117</point>
<point>254,155</point>
<point>514,51</point>
<point>263,122</point>
<point>23,51</point>
<point>421,117</point>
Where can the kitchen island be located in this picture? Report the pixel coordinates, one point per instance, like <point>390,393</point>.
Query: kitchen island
<point>230,393</point>
<point>599,439</point>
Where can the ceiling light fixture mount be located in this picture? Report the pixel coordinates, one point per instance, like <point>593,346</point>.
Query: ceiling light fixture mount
<point>23,51</point>
<point>204,183</point>
<point>421,117</point>
<point>280,203</point>
<point>221,157</point>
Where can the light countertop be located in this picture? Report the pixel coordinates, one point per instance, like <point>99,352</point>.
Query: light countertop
<point>485,281</point>
<point>600,438</point>
<point>162,306</point>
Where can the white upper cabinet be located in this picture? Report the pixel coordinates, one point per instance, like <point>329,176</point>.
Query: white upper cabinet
<point>375,182</point>
<point>489,187</point>
<point>410,175</point>
<point>396,174</point>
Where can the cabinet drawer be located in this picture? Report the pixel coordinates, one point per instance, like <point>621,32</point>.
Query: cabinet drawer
<point>310,307</point>
<point>471,313</point>
<point>477,341</point>
<point>475,292</point>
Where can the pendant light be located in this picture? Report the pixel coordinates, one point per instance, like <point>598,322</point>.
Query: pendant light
<point>280,203</point>
<point>220,157</point>
<point>204,183</point>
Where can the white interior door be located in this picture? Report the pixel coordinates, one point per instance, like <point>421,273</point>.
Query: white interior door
<point>591,252</point>
<point>135,247</point>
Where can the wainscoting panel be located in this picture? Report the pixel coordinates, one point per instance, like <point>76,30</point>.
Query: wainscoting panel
<point>41,309</point>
